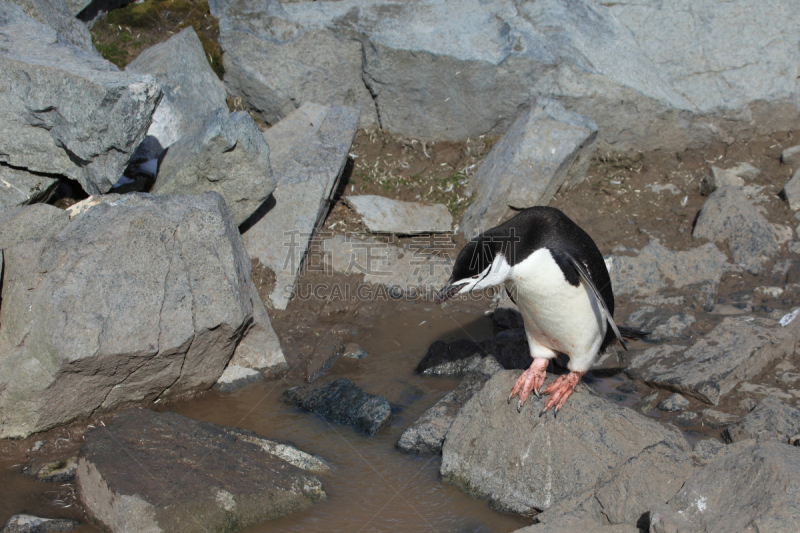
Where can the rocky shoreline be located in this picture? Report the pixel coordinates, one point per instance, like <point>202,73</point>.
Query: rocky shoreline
<point>156,244</point>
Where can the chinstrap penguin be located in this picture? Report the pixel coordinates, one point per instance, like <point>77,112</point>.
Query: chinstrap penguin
<point>555,274</point>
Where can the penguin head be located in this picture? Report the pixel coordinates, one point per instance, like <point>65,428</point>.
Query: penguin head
<point>481,264</point>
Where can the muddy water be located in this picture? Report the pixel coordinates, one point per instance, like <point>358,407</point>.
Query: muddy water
<point>373,486</point>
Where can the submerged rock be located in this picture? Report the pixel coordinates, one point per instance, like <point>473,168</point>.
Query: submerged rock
<point>25,523</point>
<point>727,216</point>
<point>736,350</point>
<point>523,462</point>
<point>663,325</point>
<point>307,152</point>
<point>676,402</point>
<point>792,191</point>
<point>546,149</point>
<point>137,298</point>
<point>343,402</point>
<point>227,155</point>
<point>384,215</point>
<point>65,111</point>
<point>771,419</point>
<point>189,476</point>
<point>724,497</point>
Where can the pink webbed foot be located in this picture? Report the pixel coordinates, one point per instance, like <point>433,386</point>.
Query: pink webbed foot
<point>530,380</point>
<point>560,390</point>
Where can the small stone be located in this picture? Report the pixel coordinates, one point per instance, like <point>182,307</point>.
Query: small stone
<point>717,419</point>
<point>791,157</point>
<point>646,404</point>
<point>384,215</point>
<point>58,471</point>
<point>37,446</point>
<point>354,351</point>
<point>674,403</point>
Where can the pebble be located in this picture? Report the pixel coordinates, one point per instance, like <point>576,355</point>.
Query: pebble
<point>674,403</point>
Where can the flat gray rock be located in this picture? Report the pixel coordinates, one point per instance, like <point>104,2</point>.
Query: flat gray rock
<point>492,451</point>
<point>58,15</point>
<point>656,269</point>
<point>650,75</point>
<point>25,523</point>
<point>120,322</point>
<point>65,111</point>
<point>723,497</point>
<point>727,216</point>
<point>547,148</point>
<point>403,270</point>
<point>663,325</point>
<point>228,155</point>
<point>791,157</point>
<point>675,402</point>
<point>30,222</point>
<point>576,525</point>
<point>343,402</point>
<point>308,151</point>
<point>427,434</point>
<point>18,187</point>
<point>192,92</point>
<point>384,215</point>
<point>771,419</point>
<point>628,490</point>
<point>190,476</point>
<point>736,350</point>
<point>792,191</point>
<point>730,177</point>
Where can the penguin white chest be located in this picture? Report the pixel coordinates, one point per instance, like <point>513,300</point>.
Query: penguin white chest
<point>563,317</point>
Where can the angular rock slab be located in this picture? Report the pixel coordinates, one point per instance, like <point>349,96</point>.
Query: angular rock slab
<point>28,222</point>
<point>792,191</point>
<point>755,489</point>
<point>545,149</point>
<point>384,215</point>
<point>25,523</point>
<point>407,271</point>
<point>147,471</point>
<point>727,216</point>
<point>771,419</point>
<point>343,402</point>
<point>628,490</point>
<point>736,350</point>
<point>57,15</point>
<point>227,155</point>
<point>192,92</point>
<point>137,298</point>
<point>18,187</point>
<point>64,111</point>
<point>308,151</point>
<point>525,463</point>
<point>656,268</point>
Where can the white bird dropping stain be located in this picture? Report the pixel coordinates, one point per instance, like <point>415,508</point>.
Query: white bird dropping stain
<point>701,503</point>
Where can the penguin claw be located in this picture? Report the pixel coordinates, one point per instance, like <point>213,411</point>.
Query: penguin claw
<point>538,393</point>
<point>519,406</point>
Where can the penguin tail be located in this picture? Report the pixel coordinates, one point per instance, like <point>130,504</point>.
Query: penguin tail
<point>631,334</point>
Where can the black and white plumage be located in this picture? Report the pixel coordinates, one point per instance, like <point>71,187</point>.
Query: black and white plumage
<point>556,275</point>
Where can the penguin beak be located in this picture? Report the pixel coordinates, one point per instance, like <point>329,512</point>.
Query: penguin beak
<point>448,291</point>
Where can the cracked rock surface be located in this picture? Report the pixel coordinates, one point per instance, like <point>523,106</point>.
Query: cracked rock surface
<point>137,298</point>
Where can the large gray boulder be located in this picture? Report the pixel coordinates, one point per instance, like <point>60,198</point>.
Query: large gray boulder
<point>227,155</point>
<point>545,149</point>
<point>189,476</point>
<point>307,151</point>
<point>628,490</point>
<point>140,297</point>
<point>656,269</point>
<point>727,216</point>
<point>18,187</point>
<point>30,222</point>
<point>734,351</point>
<point>65,111</point>
<point>192,92</point>
<point>771,419</point>
<point>57,14</point>
<point>651,75</point>
<point>523,462</point>
<point>755,489</point>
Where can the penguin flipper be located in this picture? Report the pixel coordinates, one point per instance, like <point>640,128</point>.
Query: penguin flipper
<point>584,275</point>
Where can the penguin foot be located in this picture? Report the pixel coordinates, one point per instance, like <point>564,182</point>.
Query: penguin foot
<point>530,381</point>
<point>560,390</point>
